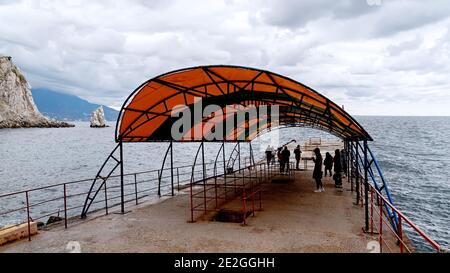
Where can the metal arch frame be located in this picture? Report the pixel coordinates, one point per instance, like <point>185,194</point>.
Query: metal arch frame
<point>362,159</point>
<point>238,154</point>
<point>119,162</point>
<point>160,173</point>
<point>341,128</point>
<point>291,120</point>
<point>307,115</point>
<point>221,149</point>
<point>298,125</point>
<point>181,89</point>
<point>318,117</point>
<point>371,173</point>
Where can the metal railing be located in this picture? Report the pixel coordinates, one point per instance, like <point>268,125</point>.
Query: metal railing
<point>65,200</point>
<point>381,225</point>
<point>392,226</point>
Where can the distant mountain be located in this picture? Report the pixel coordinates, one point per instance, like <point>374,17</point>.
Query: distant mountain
<point>67,107</point>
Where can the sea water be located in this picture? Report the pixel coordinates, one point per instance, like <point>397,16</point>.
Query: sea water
<point>413,153</point>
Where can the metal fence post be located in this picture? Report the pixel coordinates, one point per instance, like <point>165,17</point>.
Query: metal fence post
<point>122,190</point>
<point>65,206</point>
<point>357,174</point>
<point>381,225</point>
<point>239,155</point>
<point>400,233</point>
<point>366,186</point>
<point>171,166</point>
<point>371,210</point>
<point>106,198</point>
<point>28,215</point>
<point>159,183</point>
<point>178,179</point>
<point>136,189</point>
<point>204,176</point>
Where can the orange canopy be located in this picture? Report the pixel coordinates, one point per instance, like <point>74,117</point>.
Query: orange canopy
<point>146,114</point>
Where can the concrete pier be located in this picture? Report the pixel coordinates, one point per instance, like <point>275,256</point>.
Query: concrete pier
<point>293,219</point>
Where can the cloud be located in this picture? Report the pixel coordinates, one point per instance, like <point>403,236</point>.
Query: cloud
<point>293,13</point>
<point>352,52</point>
<point>404,15</point>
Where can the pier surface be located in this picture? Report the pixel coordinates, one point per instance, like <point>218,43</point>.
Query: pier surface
<point>293,219</point>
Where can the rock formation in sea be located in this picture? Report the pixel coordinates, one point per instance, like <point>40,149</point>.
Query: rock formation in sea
<point>17,108</point>
<point>98,118</point>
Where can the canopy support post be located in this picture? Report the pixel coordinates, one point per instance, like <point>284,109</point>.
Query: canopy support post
<point>122,192</point>
<point>357,174</point>
<point>351,166</point>
<point>204,176</point>
<point>347,163</point>
<point>239,155</point>
<point>171,166</point>
<point>252,156</point>
<point>191,185</point>
<point>366,186</point>
<point>160,173</point>
<point>224,169</point>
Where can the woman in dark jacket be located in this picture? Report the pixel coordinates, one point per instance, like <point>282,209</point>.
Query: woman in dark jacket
<point>337,169</point>
<point>280,159</point>
<point>328,162</point>
<point>317,173</point>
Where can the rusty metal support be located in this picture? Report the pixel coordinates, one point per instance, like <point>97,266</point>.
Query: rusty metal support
<point>28,215</point>
<point>65,206</point>
<point>366,187</point>
<point>122,190</point>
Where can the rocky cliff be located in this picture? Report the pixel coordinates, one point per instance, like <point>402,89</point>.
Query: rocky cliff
<point>17,108</point>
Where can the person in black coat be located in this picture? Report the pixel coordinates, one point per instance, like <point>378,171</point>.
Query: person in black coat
<point>280,159</point>
<point>317,173</point>
<point>337,169</point>
<point>328,162</point>
<point>298,154</point>
<point>285,154</point>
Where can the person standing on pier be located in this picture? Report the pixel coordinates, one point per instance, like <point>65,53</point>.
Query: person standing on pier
<point>298,154</point>
<point>328,163</point>
<point>337,169</point>
<point>269,154</point>
<point>280,159</point>
<point>286,154</point>
<point>317,173</point>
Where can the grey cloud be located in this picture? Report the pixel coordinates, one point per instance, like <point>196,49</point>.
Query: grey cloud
<point>293,13</point>
<point>361,92</point>
<point>348,50</point>
<point>403,15</point>
<point>412,44</point>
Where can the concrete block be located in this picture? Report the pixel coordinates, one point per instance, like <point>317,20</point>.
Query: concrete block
<point>10,234</point>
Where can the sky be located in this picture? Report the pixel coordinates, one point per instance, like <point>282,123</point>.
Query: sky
<point>375,57</point>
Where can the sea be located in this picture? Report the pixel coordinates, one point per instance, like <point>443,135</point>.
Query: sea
<point>413,152</point>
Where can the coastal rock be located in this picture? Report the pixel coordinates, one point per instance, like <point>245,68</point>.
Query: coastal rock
<point>17,108</point>
<point>98,118</point>
<point>53,219</point>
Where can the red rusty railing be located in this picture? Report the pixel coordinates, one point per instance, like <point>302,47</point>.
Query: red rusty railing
<point>66,197</point>
<point>386,232</point>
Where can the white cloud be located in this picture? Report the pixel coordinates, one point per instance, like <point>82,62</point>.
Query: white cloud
<point>387,59</point>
